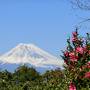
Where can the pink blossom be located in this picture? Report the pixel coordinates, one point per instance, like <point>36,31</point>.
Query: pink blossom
<point>88,65</point>
<point>74,39</point>
<point>89,52</point>
<point>74,33</point>
<point>72,56</point>
<point>85,48</point>
<point>80,50</point>
<point>66,53</point>
<point>87,75</point>
<point>72,86</point>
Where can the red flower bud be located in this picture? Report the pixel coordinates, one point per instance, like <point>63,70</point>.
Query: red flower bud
<point>73,57</point>
<point>80,50</point>
<point>66,53</point>
<point>72,86</point>
<point>74,39</point>
<point>74,33</point>
<point>87,75</point>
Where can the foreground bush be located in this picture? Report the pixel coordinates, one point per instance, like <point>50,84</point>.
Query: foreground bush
<point>77,62</point>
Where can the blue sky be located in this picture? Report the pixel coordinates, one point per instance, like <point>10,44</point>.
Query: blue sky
<point>46,23</point>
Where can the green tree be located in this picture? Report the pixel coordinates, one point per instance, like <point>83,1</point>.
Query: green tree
<point>24,73</point>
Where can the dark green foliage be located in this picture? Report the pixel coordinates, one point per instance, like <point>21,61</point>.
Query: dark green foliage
<point>24,73</point>
<point>26,78</point>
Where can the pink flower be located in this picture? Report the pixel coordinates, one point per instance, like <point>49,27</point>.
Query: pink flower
<point>74,33</point>
<point>85,48</point>
<point>72,56</point>
<point>72,86</point>
<point>87,75</point>
<point>88,65</point>
<point>80,50</point>
<point>66,53</point>
<point>74,39</point>
<point>89,52</point>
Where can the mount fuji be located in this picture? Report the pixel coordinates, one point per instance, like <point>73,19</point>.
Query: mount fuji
<point>31,55</point>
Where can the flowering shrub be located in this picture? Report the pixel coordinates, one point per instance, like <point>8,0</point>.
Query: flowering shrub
<point>77,62</point>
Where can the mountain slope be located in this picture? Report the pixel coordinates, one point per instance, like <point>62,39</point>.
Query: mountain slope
<point>30,54</point>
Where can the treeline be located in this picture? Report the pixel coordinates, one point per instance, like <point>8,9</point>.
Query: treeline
<point>26,78</point>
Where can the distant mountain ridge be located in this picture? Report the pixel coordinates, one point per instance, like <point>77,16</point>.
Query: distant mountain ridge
<point>30,54</point>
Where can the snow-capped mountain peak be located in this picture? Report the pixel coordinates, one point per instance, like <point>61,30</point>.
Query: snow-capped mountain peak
<point>30,54</point>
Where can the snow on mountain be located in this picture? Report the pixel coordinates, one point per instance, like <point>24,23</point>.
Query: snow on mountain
<point>30,54</point>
